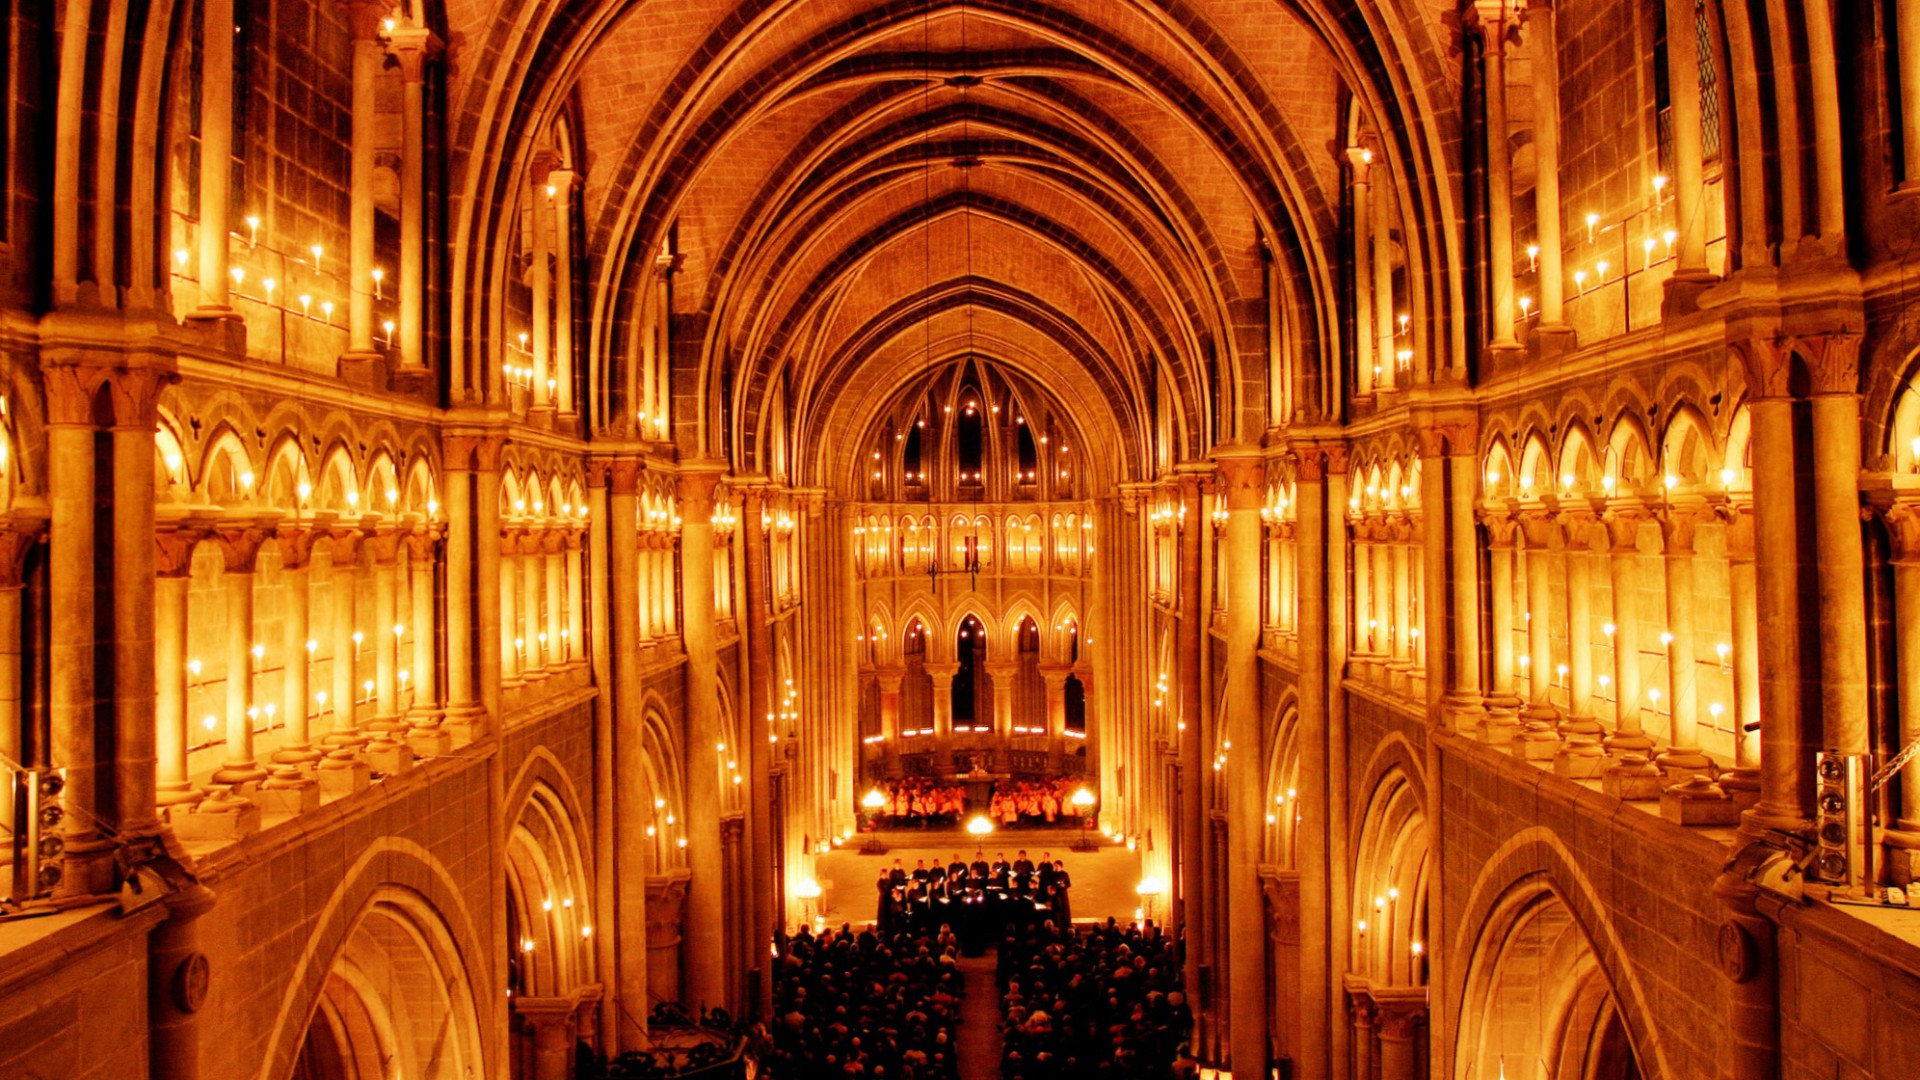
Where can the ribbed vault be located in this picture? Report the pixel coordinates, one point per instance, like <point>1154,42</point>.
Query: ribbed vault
<point>1114,196</point>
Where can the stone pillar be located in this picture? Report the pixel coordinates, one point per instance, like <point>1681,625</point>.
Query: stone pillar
<point>216,158</point>
<point>553,1036</point>
<point>1364,621</point>
<point>762,888</point>
<point>1836,526</point>
<point>1363,347</point>
<point>343,770</point>
<point>889,682</point>
<point>632,808</point>
<point>1683,758</point>
<point>363,22</point>
<point>426,732</point>
<point>1317,1008</point>
<point>1745,642</point>
<point>1539,529</point>
<point>533,565</point>
<point>136,403</point>
<point>1399,1021</point>
<point>385,636</point>
<point>576,600</point>
<point>1189,917</point>
<point>1379,551</point>
<point>1242,475</point>
<point>463,703</point>
<point>1003,673</point>
<point>488,572</point>
<point>703,933</point>
<point>1465,573</point>
<point>413,46</point>
<point>241,550</point>
<point>561,180</point>
<point>1581,753</point>
<point>296,699</point>
<point>71,647</point>
<point>172,567</point>
<point>513,642</point>
<point>1360,1011</point>
<point>1546,156</point>
<point>1623,530</point>
<point>1403,636</point>
<point>1491,17</point>
<point>553,545</point>
<point>1055,677</point>
<point>1503,704</point>
<point>1383,342</point>
<point>941,675</point>
<point>1906,36</point>
<point>540,283</point>
<point>1689,170</point>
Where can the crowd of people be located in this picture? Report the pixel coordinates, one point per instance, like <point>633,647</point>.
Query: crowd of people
<point>923,802</point>
<point>1034,802</point>
<point>976,899</point>
<point>1102,1002</point>
<point>865,1006</point>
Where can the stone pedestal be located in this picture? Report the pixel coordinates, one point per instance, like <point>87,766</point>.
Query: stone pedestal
<point>338,777</point>
<point>288,797</point>
<point>389,758</point>
<point>1699,801</point>
<point>1633,777</point>
<point>221,817</point>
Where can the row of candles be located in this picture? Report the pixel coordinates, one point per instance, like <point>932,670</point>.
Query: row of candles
<point>270,711</point>
<point>282,300</point>
<point>1661,241</point>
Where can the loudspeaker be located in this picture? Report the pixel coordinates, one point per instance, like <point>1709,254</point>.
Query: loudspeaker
<point>1839,803</point>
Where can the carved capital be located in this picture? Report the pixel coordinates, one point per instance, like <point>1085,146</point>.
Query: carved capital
<point>1539,526</point>
<point>697,489</point>
<point>1680,525</point>
<point>1243,478</point>
<point>346,546</point>
<point>364,17</point>
<point>1769,363</point>
<point>296,546</point>
<point>456,453</point>
<point>15,543</point>
<point>1833,362</point>
<point>421,543</point>
<point>413,48</point>
<point>1501,530</point>
<point>623,476</point>
<point>1903,531</point>
<point>240,546</point>
<point>1623,528</point>
<point>488,452</point>
<point>135,396</point>
<point>72,391</point>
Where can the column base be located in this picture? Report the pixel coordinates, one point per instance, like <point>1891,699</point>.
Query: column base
<point>224,816</point>
<point>298,754</point>
<point>411,380</point>
<point>288,796</point>
<point>428,742</point>
<point>173,796</point>
<point>1580,760</point>
<point>1536,741</point>
<point>86,868</point>
<point>343,776</point>
<point>220,328</point>
<point>1742,786</point>
<point>1634,778</point>
<point>1637,742</point>
<point>1680,294</point>
<point>1683,764</point>
<point>362,361</point>
<point>239,773</point>
<point>1497,722</point>
<point>1554,339</point>
<point>464,719</point>
<point>390,758</point>
<point>1699,801</point>
<point>1903,853</point>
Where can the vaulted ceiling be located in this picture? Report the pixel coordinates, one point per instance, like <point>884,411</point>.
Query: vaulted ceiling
<point>1093,192</point>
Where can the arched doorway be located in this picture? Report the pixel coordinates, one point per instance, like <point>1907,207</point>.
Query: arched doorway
<point>395,1002</point>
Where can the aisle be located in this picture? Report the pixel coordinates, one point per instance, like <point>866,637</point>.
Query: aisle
<point>979,1039</point>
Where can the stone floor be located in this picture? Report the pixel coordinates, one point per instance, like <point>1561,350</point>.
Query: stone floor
<point>1103,880</point>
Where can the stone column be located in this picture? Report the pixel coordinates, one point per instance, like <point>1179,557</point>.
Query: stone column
<point>1491,17</point>
<point>1465,573</point>
<point>216,158</point>
<point>1836,528</point>
<point>1403,636</point>
<point>1383,630</point>
<point>1689,170</point>
<point>1364,622</point>
<point>1903,529</point>
<point>889,680</point>
<point>513,642</point>
<point>762,887</point>
<point>1745,642</point>
<point>343,771</point>
<point>240,547</point>
<point>71,632</point>
<point>941,674</point>
<point>540,283</point>
<point>1360,1012</point>
<point>1677,528</point>
<point>136,404</point>
<point>1581,753</point>
<point>1539,530</point>
<point>386,641</point>
<point>561,180</point>
<point>1003,673</point>
<point>1317,1008</point>
<point>703,933</point>
<point>1242,473</point>
<point>413,46</point>
<point>1546,156</point>
<point>1189,913</point>
<point>553,546</point>
<point>1503,704</point>
<point>1623,530</point>
<point>553,1037</point>
<point>426,732</point>
<point>576,600</point>
<point>173,569</point>
<point>1363,348</point>
<point>1383,342</point>
<point>363,22</point>
<point>533,567</point>
<point>1055,678</point>
<point>632,807</point>
<point>463,703</point>
<point>1906,36</point>
<point>1399,1020</point>
<point>488,572</point>
<point>296,700</point>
